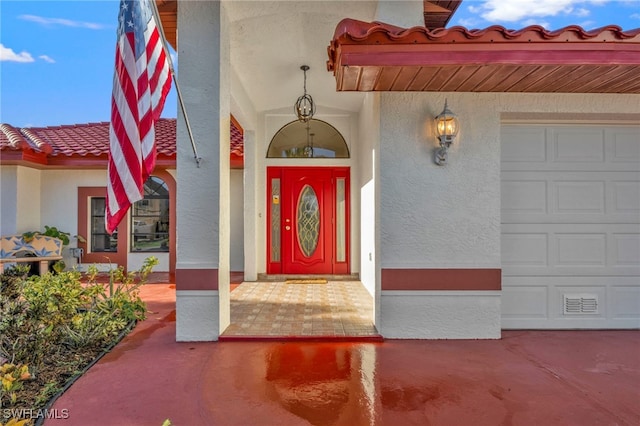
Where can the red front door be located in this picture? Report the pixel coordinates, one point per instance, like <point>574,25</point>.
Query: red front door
<point>308,217</point>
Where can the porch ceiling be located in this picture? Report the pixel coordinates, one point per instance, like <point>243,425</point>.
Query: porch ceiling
<point>380,57</point>
<point>371,56</point>
<point>270,40</point>
<point>168,10</point>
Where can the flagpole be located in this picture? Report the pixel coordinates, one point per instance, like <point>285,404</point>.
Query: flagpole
<point>156,15</point>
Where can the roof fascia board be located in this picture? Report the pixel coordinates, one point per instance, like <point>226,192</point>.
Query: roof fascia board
<point>101,161</point>
<point>419,55</point>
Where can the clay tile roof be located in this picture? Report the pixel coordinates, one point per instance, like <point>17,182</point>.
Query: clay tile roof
<point>92,139</point>
<point>166,136</point>
<point>81,139</point>
<point>367,56</point>
<point>11,138</point>
<point>34,139</point>
<point>373,32</point>
<point>237,140</point>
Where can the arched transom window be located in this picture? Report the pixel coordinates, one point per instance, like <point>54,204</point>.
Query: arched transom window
<point>315,139</point>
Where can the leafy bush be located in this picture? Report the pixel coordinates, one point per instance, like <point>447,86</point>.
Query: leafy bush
<point>12,378</point>
<point>52,231</point>
<point>57,324</point>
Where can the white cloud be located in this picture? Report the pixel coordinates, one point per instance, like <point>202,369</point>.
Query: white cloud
<point>60,21</point>
<point>519,10</point>
<point>582,12</point>
<point>7,54</point>
<point>516,10</point>
<point>468,22</point>
<point>475,9</point>
<point>635,15</point>
<point>47,58</point>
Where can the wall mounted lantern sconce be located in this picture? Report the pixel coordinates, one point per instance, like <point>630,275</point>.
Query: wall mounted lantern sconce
<point>304,107</point>
<point>447,127</point>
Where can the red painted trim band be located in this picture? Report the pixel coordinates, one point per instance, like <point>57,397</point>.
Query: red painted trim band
<point>196,279</point>
<point>466,57</point>
<point>442,279</point>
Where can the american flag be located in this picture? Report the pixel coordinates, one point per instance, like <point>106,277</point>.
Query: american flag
<point>141,82</point>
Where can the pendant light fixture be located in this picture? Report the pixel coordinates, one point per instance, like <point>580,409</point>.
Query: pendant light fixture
<point>304,107</point>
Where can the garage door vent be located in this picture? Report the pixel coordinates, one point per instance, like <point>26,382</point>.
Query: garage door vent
<point>580,304</point>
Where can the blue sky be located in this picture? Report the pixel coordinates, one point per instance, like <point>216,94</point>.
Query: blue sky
<point>57,56</point>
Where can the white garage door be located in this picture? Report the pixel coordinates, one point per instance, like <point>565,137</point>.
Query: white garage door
<point>570,226</point>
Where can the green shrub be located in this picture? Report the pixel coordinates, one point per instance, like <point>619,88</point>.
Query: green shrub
<point>58,323</point>
<point>54,299</point>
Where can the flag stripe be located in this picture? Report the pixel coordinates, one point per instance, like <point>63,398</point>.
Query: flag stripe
<point>140,85</point>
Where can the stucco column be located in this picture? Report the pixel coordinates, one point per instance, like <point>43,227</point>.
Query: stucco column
<point>202,269</point>
<point>368,156</point>
<point>250,207</point>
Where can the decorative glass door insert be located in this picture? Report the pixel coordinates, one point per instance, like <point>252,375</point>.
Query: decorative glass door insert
<point>308,221</point>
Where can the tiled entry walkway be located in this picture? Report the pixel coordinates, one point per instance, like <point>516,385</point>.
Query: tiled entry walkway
<point>337,308</point>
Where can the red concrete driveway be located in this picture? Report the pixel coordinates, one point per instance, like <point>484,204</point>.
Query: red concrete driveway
<point>527,378</point>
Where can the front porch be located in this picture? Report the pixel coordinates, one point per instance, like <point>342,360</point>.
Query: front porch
<point>272,310</point>
<point>527,377</point>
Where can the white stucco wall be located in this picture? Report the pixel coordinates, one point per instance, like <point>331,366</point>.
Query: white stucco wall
<point>29,205</point>
<point>402,13</point>
<point>237,221</point>
<point>59,201</point>
<point>242,107</point>
<point>433,216</point>
<point>449,217</point>
<point>196,318</point>
<point>8,200</point>
<point>60,189</point>
<point>440,315</point>
<point>55,204</point>
<point>243,243</point>
<point>252,207</point>
<point>33,198</point>
<point>368,191</point>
